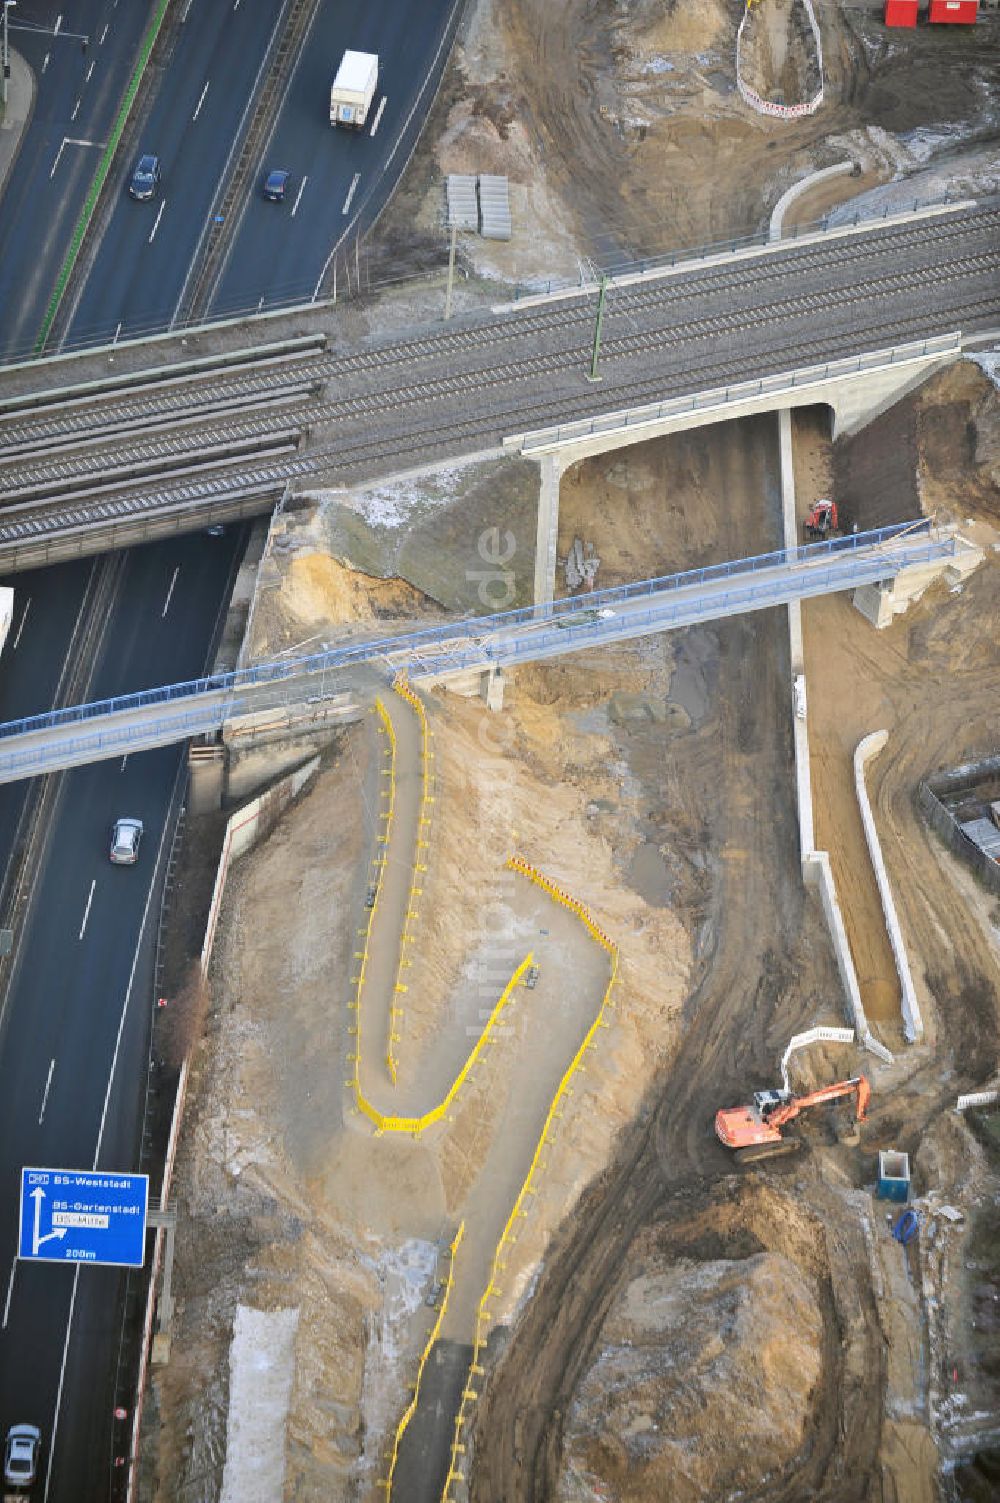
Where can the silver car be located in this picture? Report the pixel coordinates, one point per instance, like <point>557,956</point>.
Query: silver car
<point>20,1455</point>
<point>125,838</point>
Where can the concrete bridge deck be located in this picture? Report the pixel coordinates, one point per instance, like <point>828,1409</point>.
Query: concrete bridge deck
<point>93,465</point>
<point>158,717</point>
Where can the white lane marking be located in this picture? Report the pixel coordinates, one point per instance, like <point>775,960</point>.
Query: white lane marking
<point>236,4</point>
<point>173,581</point>
<point>124,760</point>
<point>89,72</point>
<point>76,109</point>
<point>159,216</point>
<point>351,192</point>
<point>45,1097</point>
<point>57,27</point>
<point>103,35</point>
<point>117,331</point>
<point>378,115</point>
<point>201,101</point>
<point>10,1291</point>
<point>86,912</point>
<point>45,64</point>
<point>62,1379</point>
<point>298,196</point>
<point>70,141</point>
<point>20,629</point>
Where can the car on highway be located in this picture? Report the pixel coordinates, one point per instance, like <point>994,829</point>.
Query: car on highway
<point>20,1455</point>
<point>275,185</point>
<point>145,177</point>
<point>125,838</point>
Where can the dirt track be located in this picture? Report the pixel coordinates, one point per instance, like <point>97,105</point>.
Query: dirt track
<point>752,993</point>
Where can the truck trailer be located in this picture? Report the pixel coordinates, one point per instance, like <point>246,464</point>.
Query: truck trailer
<point>354,89</point>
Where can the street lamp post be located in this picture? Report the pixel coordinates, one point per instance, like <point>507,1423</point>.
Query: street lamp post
<point>6,54</point>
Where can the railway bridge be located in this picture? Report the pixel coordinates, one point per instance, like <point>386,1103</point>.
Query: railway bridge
<point>105,448</point>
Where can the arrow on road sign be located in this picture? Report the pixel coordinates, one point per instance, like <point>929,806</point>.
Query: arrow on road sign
<point>38,1195</point>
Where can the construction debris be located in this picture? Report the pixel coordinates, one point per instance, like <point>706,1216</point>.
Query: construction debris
<point>581,566</point>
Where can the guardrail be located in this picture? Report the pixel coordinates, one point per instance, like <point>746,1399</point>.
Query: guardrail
<point>803,377</point>
<point>473,628</point>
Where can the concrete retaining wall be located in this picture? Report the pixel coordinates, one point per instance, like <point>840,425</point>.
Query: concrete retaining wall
<point>246,827</point>
<point>913,1023</point>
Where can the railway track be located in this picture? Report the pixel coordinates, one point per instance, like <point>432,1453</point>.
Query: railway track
<point>33,480</point>
<point>568,320</point>
<point>221,442</point>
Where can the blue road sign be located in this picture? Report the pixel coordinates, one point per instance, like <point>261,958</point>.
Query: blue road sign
<point>83,1216</point>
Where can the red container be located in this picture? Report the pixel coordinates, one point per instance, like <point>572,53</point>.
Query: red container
<point>958,12</point>
<point>901,12</point>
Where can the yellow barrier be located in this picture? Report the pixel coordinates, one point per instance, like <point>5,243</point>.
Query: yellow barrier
<point>402,688</point>
<point>417,1125</point>
<point>411,1408</point>
<point>507,1238</point>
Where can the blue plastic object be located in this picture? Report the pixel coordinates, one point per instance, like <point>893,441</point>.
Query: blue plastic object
<point>906,1228</point>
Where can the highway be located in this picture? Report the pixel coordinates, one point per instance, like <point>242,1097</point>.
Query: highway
<point>82,999</point>
<point>75,1034</point>
<point>339,179</point>
<point>465,388</point>
<point>140,269</point>
<point>149,253</point>
<point>78,96</point>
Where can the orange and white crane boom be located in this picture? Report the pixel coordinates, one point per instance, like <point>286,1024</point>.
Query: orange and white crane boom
<point>761,1122</point>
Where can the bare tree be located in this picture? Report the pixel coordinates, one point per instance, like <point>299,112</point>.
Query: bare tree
<point>182,1018</point>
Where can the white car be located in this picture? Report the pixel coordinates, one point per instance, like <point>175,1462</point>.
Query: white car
<point>20,1455</point>
<point>125,838</point>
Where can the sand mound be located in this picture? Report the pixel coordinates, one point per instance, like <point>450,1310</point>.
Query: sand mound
<point>702,1385</point>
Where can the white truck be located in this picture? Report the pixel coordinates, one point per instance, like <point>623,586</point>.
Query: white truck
<point>354,89</point>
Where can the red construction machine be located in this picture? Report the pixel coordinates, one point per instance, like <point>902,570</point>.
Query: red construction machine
<point>758,1127</point>
<point>822,520</point>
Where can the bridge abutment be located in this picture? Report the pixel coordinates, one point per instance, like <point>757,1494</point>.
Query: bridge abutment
<point>552,467</point>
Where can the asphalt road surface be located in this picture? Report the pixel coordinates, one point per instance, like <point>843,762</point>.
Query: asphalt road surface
<point>206,89</point>
<point>73,1056</point>
<point>75,106</point>
<point>281,251</point>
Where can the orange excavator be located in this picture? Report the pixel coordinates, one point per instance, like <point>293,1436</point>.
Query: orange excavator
<point>822,521</point>
<point>758,1127</point>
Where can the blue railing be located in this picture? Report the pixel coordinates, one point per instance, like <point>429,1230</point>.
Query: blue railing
<point>468,629</point>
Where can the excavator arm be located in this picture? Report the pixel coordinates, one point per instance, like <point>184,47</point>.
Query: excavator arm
<point>759,1124</point>
<point>791,1109</point>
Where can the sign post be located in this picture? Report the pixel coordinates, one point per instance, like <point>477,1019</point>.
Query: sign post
<point>83,1216</point>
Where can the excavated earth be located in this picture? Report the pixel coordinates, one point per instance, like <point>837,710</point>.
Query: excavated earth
<point>688,1330</point>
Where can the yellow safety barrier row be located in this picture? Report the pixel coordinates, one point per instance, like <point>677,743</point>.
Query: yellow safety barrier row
<point>507,1236</point>
<point>387,799</point>
<point>401,687</point>
<point>417,1125</point>
<point>411,1408</point>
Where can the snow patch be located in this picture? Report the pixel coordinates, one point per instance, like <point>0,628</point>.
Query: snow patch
<point>261,1368</point>
<point>392,504</point>
<point>989,363</point>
